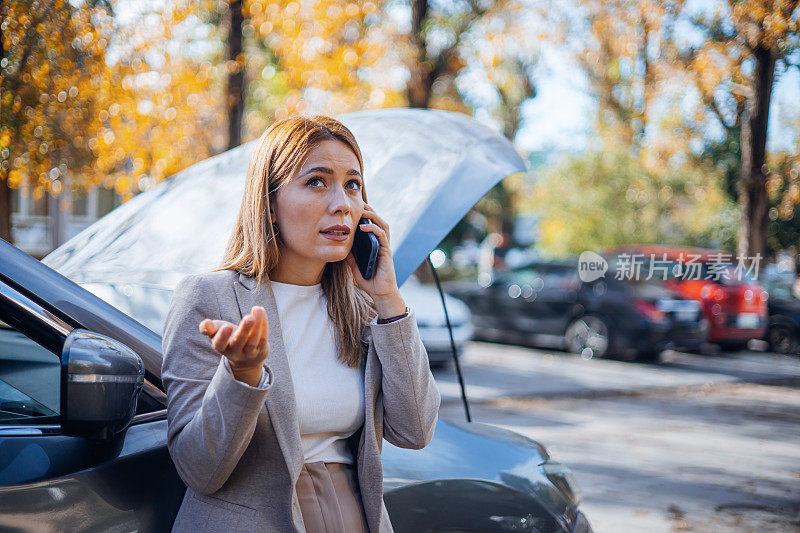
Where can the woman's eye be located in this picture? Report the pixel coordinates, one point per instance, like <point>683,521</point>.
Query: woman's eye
<point>316,182</point>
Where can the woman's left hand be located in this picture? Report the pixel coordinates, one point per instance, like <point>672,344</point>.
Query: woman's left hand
<point>383,283</point>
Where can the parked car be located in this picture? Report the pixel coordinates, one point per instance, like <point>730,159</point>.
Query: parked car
<point>546,303</point>
<point>427,304</point>
<point>736,309</point>
<point>783,331</point>
<point>82,407</point>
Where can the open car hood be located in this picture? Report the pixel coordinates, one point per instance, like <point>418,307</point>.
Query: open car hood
<point>423,171</point>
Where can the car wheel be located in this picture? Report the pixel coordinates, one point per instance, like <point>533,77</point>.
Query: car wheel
<point>782,340</point>
<point>588,336</point>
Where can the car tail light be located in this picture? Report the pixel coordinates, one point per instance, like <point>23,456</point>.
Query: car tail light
<point>719,294</point>
<point>649,311</point>
<point>712,292</point>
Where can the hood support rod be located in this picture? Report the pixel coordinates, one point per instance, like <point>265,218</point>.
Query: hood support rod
<point>452,344</point>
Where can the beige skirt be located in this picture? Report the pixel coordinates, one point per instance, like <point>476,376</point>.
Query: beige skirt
<point>330,499</point>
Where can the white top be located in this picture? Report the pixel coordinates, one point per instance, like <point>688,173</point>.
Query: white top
<point>329,395</point>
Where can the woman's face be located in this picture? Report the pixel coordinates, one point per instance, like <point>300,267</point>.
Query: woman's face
<point>325,192</point>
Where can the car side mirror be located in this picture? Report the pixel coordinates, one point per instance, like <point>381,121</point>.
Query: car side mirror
<point>101,380</point>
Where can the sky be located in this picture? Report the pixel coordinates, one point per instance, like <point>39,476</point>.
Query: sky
<point>561,116</point>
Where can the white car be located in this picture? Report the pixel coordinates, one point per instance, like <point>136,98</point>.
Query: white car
<point>427,305</point>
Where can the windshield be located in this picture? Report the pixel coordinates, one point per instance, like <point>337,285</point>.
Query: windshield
<point>780,289</point>
<point>542,276</point>
<point>149,305</point>
<point>146,304</point>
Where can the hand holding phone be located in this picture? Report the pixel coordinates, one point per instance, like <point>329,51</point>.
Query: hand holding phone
<point>365,250</point>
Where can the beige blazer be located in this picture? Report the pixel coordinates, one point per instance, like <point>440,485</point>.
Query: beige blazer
<point>238,448</point>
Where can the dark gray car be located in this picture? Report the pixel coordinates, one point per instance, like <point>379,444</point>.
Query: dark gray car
<point>82,408</point>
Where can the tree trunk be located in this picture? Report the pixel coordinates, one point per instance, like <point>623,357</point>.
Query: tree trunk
<point>753,200</point>
<point>507,217</point>
<point>5,211</point>
<point>511,122</point>
<point>235,89</point>
<point>419,87</point>
<point>512,119</point>
<point>420,79</point>
<point>5,190</point>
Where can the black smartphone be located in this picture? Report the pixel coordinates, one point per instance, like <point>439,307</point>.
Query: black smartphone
<point>365,250</point>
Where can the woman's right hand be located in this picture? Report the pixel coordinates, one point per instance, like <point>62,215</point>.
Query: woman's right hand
<point>246,347</point>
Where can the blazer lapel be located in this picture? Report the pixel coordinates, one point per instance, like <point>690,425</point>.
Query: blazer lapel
<point>280,400</point>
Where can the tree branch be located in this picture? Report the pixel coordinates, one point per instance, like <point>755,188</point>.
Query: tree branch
<point>711,103</point>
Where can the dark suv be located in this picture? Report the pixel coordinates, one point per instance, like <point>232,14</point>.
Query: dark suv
<point>546,303</point>
<point>83,432</point>
<point>82,408</point>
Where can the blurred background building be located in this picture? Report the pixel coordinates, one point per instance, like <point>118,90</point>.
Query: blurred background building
<point>40,225</point>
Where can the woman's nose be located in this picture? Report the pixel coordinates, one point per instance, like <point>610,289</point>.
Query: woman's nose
<point>339,201</point>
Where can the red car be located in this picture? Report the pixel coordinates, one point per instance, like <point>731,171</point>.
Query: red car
<point>734,303</point>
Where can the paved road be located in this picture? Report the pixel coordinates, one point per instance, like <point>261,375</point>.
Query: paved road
<point>496,370</point>
<point>698,443</point>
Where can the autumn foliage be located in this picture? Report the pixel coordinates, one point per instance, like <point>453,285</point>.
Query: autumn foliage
<point>53,65</point>
<point>122,94</point>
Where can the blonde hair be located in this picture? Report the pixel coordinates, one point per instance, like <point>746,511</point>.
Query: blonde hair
<point>253,246</point>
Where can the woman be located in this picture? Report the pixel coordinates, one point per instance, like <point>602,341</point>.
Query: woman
<point>285,368</point>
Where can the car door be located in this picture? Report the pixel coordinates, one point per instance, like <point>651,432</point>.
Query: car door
<point>557,298</point>
<point>52,479</point>
<point>515,301</point>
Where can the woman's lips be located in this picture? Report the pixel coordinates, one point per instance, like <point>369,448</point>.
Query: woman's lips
<point>333,237</point>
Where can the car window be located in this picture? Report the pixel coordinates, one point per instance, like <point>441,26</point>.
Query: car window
<point>542,277</point>
<point>561,278</point>
<point>781,293</point>
<point>29,380</point>
<point>522,276</point>
<point>779,290</point>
